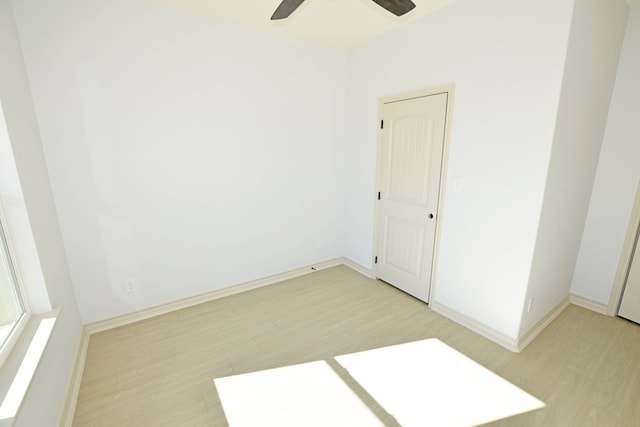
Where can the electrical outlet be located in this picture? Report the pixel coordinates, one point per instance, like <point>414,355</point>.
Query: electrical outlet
<point>530,304</point>
<point>129,285</point>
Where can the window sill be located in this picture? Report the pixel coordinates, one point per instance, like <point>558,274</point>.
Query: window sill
<point>18,369</point>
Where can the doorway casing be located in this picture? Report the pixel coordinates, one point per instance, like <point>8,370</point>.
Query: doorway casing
<point>625,258</point>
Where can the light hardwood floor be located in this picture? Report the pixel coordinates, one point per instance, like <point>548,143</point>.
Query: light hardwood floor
<point>159,372</point>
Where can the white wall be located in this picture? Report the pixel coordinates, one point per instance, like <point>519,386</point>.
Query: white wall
<point>506,59</point>
<point>597,32</point>
<point>616,180</point>
<point>173,144</point>
<point>46,394</point>
<point>185,153</point>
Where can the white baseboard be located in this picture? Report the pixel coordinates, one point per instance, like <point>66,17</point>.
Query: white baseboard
<point>126,319</point>
<point>357,267</point>
<point>498,337</point>
<point>477,327</point>
<point>539,326</point>
<point>588,304</point>
<point>509,343</point>
<point>73,388</point>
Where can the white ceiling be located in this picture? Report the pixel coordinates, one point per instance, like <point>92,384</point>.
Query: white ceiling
<point>339,23</point>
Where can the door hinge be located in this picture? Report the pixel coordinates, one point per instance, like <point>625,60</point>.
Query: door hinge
<point>378,195</point>
<point>376,260</point>
<point>381,124</point>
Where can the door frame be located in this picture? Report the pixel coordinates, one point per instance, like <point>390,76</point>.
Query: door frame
<point>449,90</point>
<point>625,258</point>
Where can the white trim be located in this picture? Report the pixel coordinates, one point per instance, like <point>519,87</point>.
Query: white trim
<point>126,319</point>
<point>66,416</point>
<point>420,93</point>
<point>14,335</point>
<point>477,327</point>
<point>588,304</point>
<point>16,282</point>
<point>450,91</point>
<point>73,388</point>
<point>357,267</point>
<point>625,258</point>
<point>498,337</point>
<point>535,330</point>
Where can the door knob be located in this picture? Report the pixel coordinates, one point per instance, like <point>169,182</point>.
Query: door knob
<point>430,216</point>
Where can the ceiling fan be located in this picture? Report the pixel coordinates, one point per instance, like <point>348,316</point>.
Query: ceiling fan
<point>397,7</point>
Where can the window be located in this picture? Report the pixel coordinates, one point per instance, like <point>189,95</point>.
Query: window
<point>11,305</point>
<point>23,337</point>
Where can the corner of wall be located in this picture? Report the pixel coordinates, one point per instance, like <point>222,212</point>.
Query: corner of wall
<point>587,86</point>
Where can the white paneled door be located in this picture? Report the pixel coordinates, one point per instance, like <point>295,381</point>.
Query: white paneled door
<point>410,163</point>
<point>630,305</point>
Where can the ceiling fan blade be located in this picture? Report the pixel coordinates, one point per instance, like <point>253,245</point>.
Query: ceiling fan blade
<point>397,7</point>
<point>285,9</point>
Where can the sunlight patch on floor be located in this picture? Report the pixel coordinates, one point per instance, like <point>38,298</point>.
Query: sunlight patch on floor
<point>419,383</point>
<point>429,383</point>
<point>310,395</point>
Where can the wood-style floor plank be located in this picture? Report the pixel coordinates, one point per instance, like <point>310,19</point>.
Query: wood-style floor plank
<point>159,372</point>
